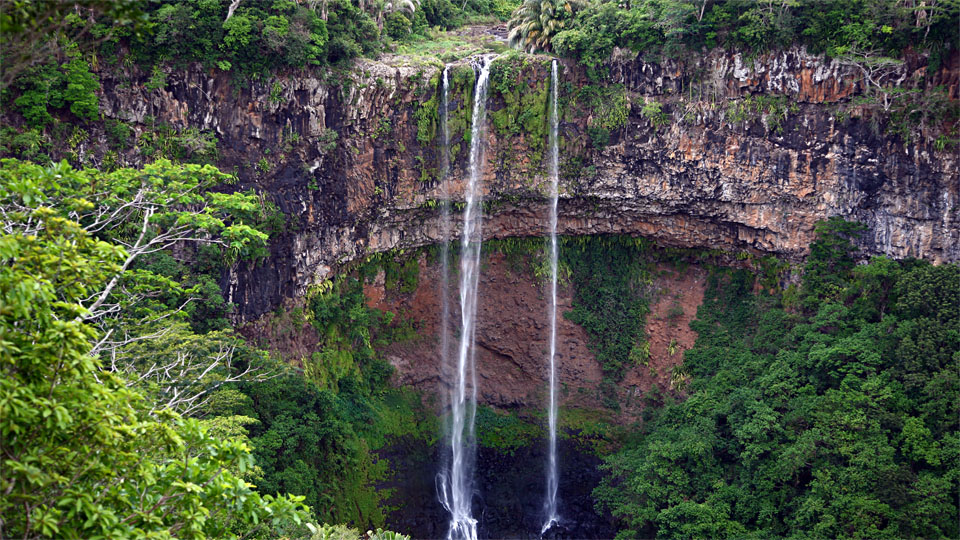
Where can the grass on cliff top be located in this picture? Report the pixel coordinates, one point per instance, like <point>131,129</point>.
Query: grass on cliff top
<point>443,46</point>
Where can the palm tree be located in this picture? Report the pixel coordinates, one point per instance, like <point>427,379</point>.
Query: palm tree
<point>390,6</point>
<point>535,23</point>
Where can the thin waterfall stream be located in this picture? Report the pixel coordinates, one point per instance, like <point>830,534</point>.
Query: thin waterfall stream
<point>550,501</point>
<point>445,227</point>
<point>456,481</point>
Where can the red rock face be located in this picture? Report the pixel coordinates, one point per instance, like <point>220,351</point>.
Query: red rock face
<point>513,332</point>
<point>700,180</point>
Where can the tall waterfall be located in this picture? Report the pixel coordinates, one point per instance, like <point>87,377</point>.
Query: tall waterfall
<point>456,483</point>
<point>550,501</point>
<point>445,228</point>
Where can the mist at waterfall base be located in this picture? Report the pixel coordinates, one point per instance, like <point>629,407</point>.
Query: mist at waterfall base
<point>508,501</point>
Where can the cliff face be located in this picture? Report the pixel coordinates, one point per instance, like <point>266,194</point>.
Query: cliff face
<point>512,337</point>
<point>724,153</point>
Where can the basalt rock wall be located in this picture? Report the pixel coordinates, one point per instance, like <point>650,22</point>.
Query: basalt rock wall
<point>723,152</point>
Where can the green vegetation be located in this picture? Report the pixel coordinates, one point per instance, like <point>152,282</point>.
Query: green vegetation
<point>609,302</point>
<point>68,86</point>
<point>912,109</point>
<point>107,327</point>
<point>653,111</point>
<point>525,107</point>
<point>535,23</point>
<point>401,270</point>
<point>773,109</point>
<point>462,80</point>
<point>342,532</point>
<point>683,28</point>
<point>316,433</point>
<point>525,256</point>
<point>444,47</point>
<point>505,431</point>
<point>608,107</point>
<point>428,114</point>
<point>594,430</point>
<point>831,412</point>
<point>97,438</point>
<point>130,406</point>
<point>189,145</point>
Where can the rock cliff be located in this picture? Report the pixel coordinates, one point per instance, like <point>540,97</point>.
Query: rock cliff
<point>724,152</point>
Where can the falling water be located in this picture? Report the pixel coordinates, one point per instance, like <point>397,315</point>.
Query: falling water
<point>550,501</point>
<point>456,483</point>
<point>445,228</point>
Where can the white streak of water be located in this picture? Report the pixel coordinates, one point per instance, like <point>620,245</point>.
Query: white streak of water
<point>445,227</point>
<point>550,501</point>
<point>456,482</point>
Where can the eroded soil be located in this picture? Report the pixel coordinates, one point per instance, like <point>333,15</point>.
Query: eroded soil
<point>513,332</point>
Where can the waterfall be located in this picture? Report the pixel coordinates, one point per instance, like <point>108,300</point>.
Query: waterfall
<point>550,501</point>
<point>456,482</point>
<point>445,228</point>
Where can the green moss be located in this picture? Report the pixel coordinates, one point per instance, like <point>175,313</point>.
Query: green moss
<point>462,80</point>
<point>611,274</point>
<point>428,115</point>
<point>594,430</point>
<point>402,414</point>
<point>505,431</point>
<point>525,110</point>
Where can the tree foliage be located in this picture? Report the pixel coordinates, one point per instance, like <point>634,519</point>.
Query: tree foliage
<point>536,22</point>
<point>84,456</point>
<point>32,31</point>
<point>684,27</point>
<point>836,417</point>
<point>66,85</point>
<point>317,432</point>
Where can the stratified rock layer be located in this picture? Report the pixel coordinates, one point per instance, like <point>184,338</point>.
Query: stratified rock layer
<point>698,180</point>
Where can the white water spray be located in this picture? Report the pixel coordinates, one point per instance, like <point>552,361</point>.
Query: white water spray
<point>550,501</point>
<point>456,483</point>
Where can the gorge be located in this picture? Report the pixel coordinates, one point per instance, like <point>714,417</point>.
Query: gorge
<point>475,291</point>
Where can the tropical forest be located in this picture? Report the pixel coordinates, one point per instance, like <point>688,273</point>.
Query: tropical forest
<point>479,269</point>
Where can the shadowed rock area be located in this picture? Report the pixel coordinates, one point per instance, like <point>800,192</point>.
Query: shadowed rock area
<point>510,499</point>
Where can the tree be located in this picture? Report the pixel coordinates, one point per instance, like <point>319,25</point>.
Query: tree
<point>33,31</point>
<point>840,421</point>
<point>143,211</point>
<point>880,73</point>
<point>536,22</point>
<point>82,456</point>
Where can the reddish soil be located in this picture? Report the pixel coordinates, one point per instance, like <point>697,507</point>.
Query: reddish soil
<point>677,297</point>
<point>512,334</point>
